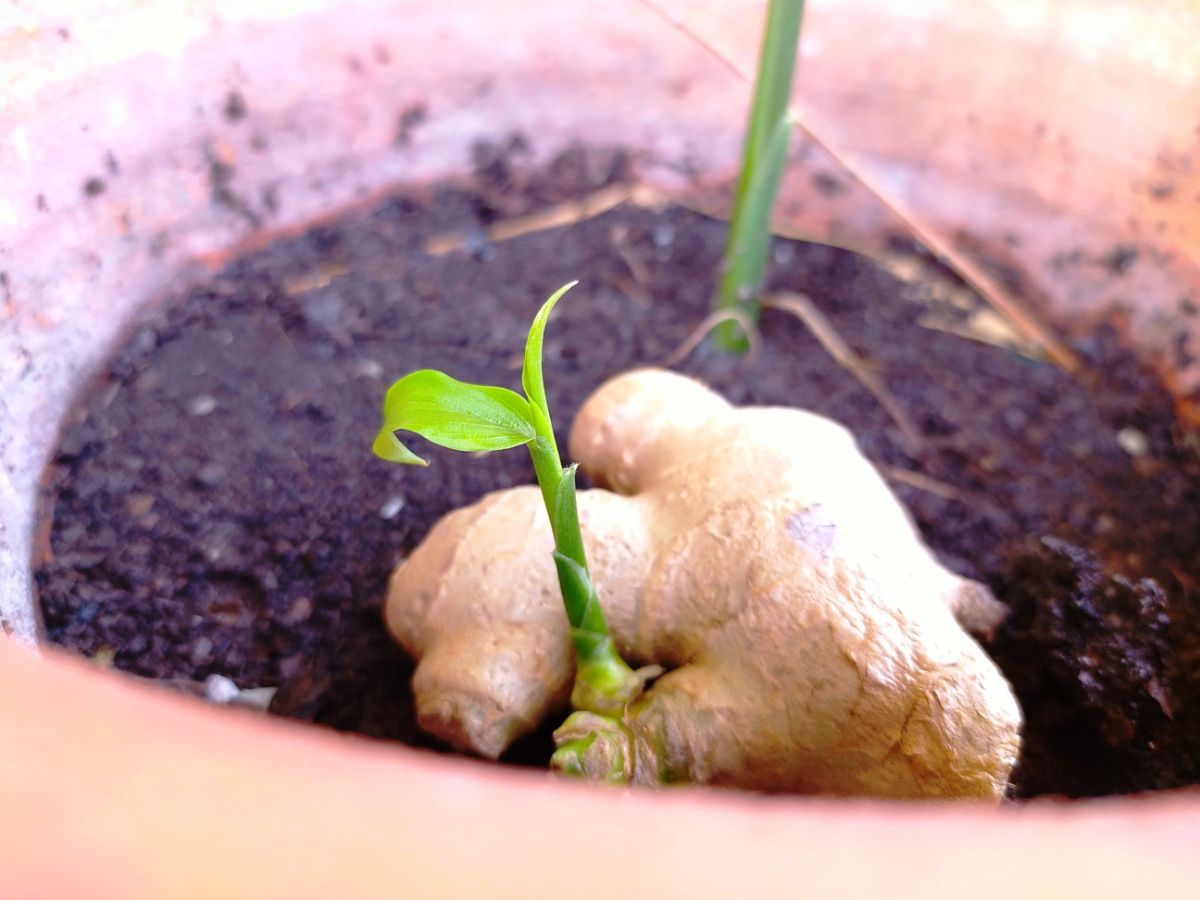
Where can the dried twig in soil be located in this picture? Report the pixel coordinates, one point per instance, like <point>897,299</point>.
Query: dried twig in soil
<point>707,324</point>
<point>619,235</point>
<point>572,212</point>
<point>835,345</point>
<point>921,482</point>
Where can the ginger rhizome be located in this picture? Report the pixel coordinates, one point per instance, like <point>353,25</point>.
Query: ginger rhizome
<point>811,642</point>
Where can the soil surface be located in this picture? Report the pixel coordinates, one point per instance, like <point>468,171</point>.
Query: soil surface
<point>214,507</point>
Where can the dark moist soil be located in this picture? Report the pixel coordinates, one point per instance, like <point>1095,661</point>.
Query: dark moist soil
<point>214,507</point>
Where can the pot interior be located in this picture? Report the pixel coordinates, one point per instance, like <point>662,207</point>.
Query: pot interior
<point>166,165</point>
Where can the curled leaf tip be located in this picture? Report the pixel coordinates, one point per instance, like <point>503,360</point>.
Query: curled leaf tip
<point>531,372</point>
<point>387,446</point>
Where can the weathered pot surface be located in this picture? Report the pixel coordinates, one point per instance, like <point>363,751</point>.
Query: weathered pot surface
<point>142,143</point>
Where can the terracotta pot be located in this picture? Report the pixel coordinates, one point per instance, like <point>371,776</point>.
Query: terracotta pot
<point>142,143</point>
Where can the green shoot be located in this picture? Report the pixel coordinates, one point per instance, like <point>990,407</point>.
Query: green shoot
<point>743,265</point>
<point>473,417</point>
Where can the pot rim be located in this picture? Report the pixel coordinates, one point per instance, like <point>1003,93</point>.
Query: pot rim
<point>174,798</point>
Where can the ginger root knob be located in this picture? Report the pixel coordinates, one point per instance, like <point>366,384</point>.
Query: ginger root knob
<point>812,643</point>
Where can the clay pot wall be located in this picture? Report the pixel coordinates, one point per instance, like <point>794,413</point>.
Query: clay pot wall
<point>1057,144</point>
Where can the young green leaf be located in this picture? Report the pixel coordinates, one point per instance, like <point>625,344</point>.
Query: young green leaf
<point>531,374</point>
<point>453,414</point>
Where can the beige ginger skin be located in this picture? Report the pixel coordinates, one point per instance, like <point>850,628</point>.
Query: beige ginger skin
<point>812,643</point>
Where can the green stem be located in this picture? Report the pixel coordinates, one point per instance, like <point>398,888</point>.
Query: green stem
<point>744,263</point>
<point>594,740</point>
<point>548,468</point>
<point>604,682</point>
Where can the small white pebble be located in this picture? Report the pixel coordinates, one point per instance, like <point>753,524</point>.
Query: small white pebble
<point>210,474</point>
<point>392,507</point>
<point>202,405</point>
<point>370,368</point>
<point>1133,442</point>
<point>220,689</point>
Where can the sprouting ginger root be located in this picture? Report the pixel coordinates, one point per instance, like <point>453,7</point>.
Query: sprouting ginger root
<point>812,643</point>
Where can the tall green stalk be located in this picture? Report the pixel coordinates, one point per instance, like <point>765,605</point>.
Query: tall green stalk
<point>744,263</point>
